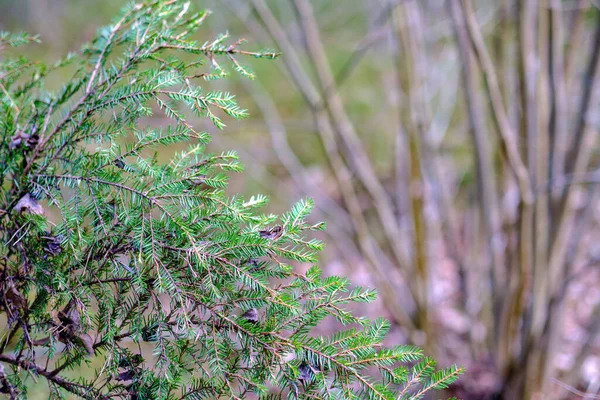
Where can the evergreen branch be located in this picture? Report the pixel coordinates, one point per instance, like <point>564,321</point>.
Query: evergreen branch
<point>71,387</point>
<point>156,252</point>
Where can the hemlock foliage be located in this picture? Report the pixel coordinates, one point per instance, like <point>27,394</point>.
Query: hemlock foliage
<point>110,253</point>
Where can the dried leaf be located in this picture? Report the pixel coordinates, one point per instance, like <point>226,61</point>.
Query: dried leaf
<point>42,341</point>
<point>15,302</point>
<point>86,342</point>
<point>14,298</point>
<point>70,315</point>
<point>30,205</point>
<point>68,331</point>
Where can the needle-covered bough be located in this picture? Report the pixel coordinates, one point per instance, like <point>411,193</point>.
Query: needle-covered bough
<point>125,275</point>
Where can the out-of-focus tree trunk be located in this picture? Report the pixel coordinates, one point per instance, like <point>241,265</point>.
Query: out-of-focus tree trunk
<point>513,113</point>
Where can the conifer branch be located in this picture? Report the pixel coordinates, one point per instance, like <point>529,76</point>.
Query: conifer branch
<point>154,251</point>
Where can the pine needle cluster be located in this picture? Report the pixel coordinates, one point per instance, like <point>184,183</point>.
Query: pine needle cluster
<point>110,253</point>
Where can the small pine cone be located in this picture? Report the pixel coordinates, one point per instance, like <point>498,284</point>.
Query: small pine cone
<point>17,139</point>
<point>198,180</point>
<point>52,246</point>
<point>33,140</point>
<point>131,362</point>
<point>29,140</point>
<point>126,375</point>
<point>150,333</point>
<point>251,315</point>
<point>273,233</point>
<point>252,263</point>
<point>119,163</point>
<point>305,372</point>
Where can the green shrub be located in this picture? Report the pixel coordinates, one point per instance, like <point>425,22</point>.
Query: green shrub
<point>108,252</point>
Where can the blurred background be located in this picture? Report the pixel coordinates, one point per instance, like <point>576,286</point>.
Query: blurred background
<point>451,147</point>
